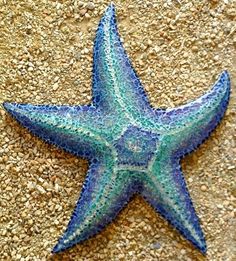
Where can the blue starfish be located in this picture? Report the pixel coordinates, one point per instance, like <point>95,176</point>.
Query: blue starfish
<point>131,147</point>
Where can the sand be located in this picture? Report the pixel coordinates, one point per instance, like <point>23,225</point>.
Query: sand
<point>178,48</point>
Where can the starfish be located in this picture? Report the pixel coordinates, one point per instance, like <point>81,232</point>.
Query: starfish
<point>131,146</point>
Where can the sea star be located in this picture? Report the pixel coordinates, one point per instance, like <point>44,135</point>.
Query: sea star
<point>131,147</point>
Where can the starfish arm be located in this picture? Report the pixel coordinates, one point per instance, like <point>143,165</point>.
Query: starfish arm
<point>115,83</point>
<point>104,194</point>
<point>188,126</point>
<point>165,189</point>
<point>72,128</point>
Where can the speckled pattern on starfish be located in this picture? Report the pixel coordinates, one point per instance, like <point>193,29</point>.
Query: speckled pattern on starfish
<point>131,147</point>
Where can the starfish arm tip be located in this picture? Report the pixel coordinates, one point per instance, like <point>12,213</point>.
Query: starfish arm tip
<point>10,107</point>
<point>200,244</point>
<point>112,5</point>
<point>56,249</point>
<point>223,85</point>
<point>203,249</point>
<point>6,105</point>
<point>226,73</point>
<point>226,76</point>
<point>110,10</point>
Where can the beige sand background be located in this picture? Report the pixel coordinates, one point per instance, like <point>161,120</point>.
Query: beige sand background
<point>178,49</point>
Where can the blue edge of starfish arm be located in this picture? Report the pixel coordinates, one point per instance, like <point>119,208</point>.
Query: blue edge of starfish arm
<point>10,107</point>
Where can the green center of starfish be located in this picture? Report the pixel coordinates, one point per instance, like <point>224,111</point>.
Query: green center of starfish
<point>135,147</point>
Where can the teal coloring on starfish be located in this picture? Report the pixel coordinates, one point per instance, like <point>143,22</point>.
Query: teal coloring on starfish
<point>131,146</point>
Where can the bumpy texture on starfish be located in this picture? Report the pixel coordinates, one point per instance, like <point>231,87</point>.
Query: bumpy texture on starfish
<point>131,147</point>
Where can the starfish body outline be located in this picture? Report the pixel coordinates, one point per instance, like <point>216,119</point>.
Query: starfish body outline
<point>131,147</point>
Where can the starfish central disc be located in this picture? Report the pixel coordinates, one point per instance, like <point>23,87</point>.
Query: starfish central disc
<point>136,147</point>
